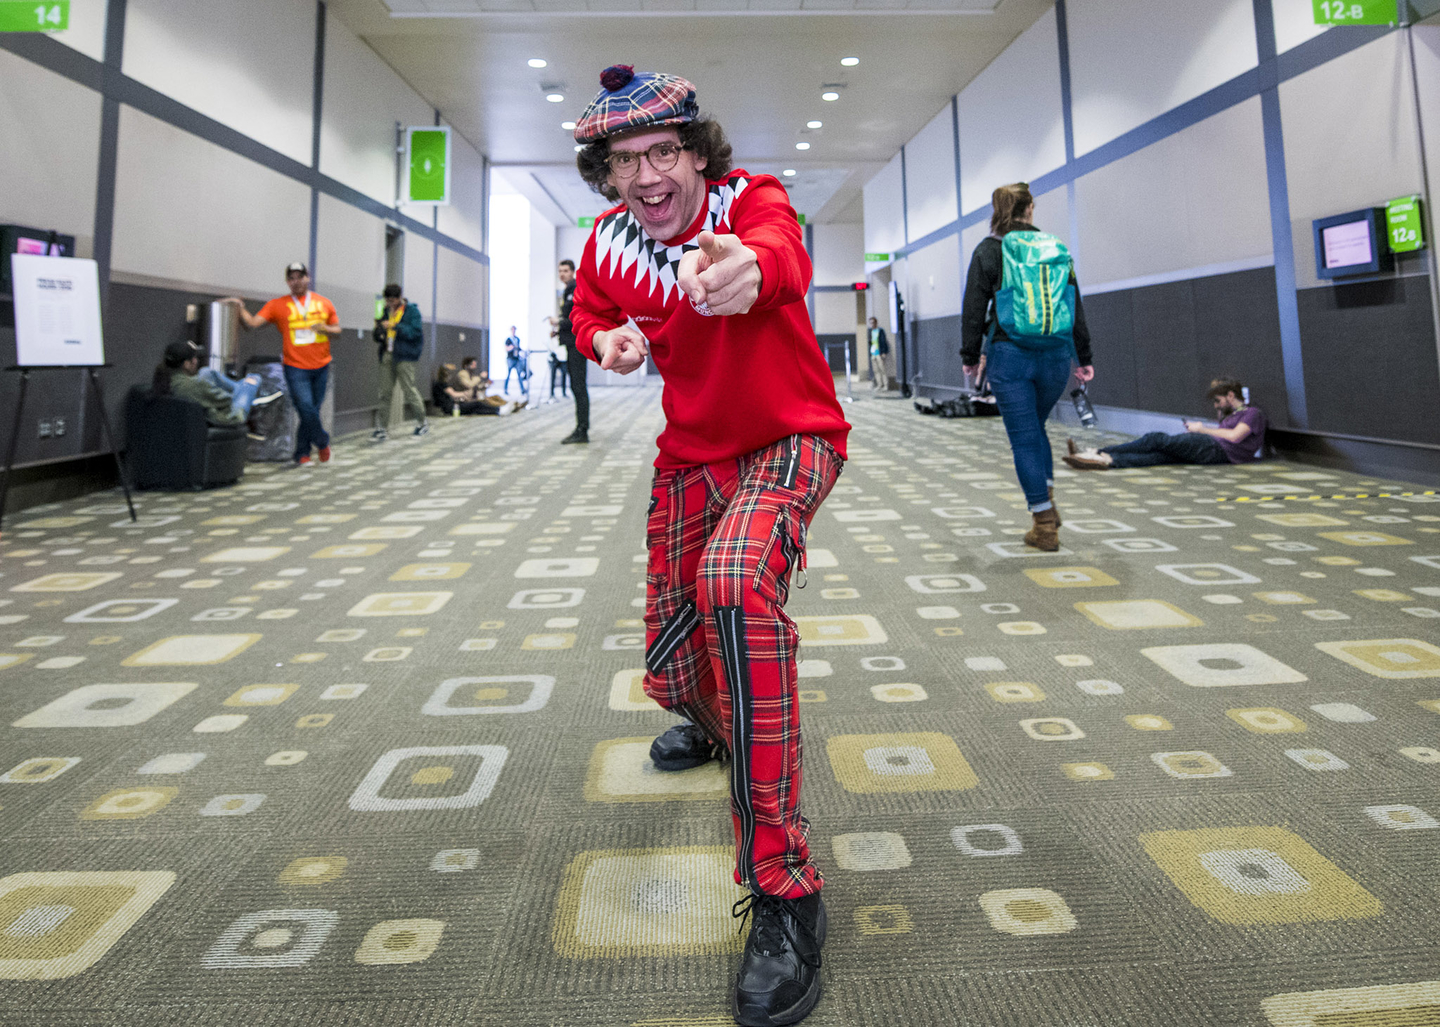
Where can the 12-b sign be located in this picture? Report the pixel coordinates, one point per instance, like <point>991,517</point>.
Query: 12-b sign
<point>1356,12</point>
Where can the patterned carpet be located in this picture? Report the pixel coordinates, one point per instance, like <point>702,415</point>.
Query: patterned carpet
<point>365,744</point>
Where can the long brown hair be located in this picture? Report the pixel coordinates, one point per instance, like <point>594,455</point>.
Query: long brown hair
<point>1007,205</point>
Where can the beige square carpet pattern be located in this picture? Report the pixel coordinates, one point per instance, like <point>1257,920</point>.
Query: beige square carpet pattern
<point>365,743</point>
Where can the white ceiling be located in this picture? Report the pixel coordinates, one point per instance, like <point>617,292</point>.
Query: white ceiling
<point>759,67</point>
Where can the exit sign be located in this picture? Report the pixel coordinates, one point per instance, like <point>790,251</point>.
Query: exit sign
<point>29,16</point>
<point>584,222</point>
<point>876,258</point>
<point>1403,226</point>
<point>1356,12</point>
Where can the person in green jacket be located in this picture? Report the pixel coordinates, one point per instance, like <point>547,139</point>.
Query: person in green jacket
<point>178,374</point>
<point>401,335</point>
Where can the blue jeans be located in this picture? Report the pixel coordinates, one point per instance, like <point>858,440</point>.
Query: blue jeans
<point>1160,448</point>
<point>307,391</point>
<point>242,393</point>
<point>521,371</point>
<point>1027,383</point>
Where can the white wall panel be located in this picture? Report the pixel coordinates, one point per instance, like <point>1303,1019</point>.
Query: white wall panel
<point>1133,60</point>
<point>350,262</point>
<point>935,282</point>
<point>884,210</point>
<point>544,283</point>
<point>1011,125</point>
<point>87,28</point>
<point>835,313</point>
<point>249,65</point>
<point>839,256</point>
<point>1350,139</point>
<point>1294,23</point>
<point>189,212</point>
<point>570,243</point>
<point>363,99</point>
<point>420,271</point>
<point>969,239</point>
<point>930,175</point>
<point>464,218</point>
<point>1194,199</point>
<point>1052,214</point>
<point>1427,69</point>
<point>463,286</point>
<point>50,129</point>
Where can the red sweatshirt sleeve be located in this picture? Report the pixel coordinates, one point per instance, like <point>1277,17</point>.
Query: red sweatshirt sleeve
<point>765,222</point>
<point>593,310</point>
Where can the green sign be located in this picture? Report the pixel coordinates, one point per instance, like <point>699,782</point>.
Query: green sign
<point>1356,12</point>
<point>379,306</point>
<point>29,16</point>
<point>585,222</point>
<point>429,165</point>
<point>801,217</point>
<point>876,258</point>
<point>1403,226</point>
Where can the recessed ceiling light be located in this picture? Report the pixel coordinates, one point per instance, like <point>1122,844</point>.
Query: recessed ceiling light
<point>788,172</point>
<point>814,124</point>
<point>555,97</point>
<point>537,62</point>
<point>830,96</point>
<point>802,146</point>
<point>568,126</point>
<point>849,62</point>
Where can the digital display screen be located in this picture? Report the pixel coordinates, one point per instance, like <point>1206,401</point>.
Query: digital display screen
<point>37,248</point>
<point>1347,245</point>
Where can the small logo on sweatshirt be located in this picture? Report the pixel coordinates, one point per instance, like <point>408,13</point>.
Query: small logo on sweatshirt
<point>703,309</point>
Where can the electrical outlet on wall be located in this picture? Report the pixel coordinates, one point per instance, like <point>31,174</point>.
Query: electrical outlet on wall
<point>59,427</point>
<point>44,429</point>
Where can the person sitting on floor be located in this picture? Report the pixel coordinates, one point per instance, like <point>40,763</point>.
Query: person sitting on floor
<point>449,399</point>
<point>1239,439</point>
<point>226,402</point>
<point>472,381</point>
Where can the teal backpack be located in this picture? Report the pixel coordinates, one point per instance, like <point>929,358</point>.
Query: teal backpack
<point>1036,302</point>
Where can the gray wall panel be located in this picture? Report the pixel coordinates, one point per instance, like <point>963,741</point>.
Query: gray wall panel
<point>1110,317</point>
<point>1370,361</point>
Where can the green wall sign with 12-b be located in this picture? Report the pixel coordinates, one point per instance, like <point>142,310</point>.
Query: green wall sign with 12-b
<point>1403,226</point>
<point>29,16</point>
<point>1356,12</point>
<point>876,258</point>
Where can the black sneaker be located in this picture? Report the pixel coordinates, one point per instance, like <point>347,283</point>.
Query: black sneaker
<point>423,428</point>
<point>379,435</point>
<point>575,436</point>
<point>682,747</point>
<point>779,978</point>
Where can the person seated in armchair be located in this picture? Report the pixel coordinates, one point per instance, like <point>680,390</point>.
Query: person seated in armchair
<point>226,402</point>
<point>449,395</point>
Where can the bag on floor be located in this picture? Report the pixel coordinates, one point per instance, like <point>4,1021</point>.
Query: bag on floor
<point>1036,302</point>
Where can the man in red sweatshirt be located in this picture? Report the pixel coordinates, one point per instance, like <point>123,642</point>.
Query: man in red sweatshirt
<point>703,268</point>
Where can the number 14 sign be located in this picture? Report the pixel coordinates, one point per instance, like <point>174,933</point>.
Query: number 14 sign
<point>1356,12</point>
<point>29,16</point>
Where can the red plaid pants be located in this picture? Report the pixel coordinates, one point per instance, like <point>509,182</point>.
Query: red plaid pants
<point>720,651</point>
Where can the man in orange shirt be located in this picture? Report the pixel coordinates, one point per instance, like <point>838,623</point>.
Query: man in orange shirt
<point>306,321</point>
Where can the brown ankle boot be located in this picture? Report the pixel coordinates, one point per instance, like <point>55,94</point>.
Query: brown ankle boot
<point>1044,533</point>
<point>1058,522</point>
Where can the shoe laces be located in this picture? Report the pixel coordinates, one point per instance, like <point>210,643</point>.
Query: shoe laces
<point>775,925</point>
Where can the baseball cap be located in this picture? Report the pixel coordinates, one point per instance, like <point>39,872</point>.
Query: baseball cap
<point>294,266</point>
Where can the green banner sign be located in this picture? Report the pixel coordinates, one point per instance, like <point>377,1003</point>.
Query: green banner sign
<point>29,16</point>
<point>801,217</point>
<point>429,165</point>
<point>876,258</point>
<point>585,222</point>
<point>1403,225</point>
<point>1356,12</point>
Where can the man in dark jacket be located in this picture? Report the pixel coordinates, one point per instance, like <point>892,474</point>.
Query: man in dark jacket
<point>575,360</point>
<point>401,335</point>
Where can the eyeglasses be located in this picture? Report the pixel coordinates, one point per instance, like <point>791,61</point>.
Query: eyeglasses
<point>662,157</point>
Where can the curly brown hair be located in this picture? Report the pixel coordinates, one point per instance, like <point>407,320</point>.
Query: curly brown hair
<point>703,136</point>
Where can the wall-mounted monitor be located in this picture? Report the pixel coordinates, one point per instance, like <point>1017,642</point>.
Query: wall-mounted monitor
<point>38,242</point>
<point>1351,244</point>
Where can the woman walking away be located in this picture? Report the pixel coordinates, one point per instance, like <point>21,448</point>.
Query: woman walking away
<point>1021,294</point>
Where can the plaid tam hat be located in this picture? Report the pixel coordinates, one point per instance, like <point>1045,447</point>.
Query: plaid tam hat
<point>629,101</point>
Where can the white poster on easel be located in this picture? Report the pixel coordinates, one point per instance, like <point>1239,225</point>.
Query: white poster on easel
<point>57,311</point>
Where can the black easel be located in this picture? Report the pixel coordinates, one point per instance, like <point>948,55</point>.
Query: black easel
<point>94,379</point>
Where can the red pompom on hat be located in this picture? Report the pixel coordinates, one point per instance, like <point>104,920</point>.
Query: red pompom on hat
<point>631,100</point>
<point>617,76</point>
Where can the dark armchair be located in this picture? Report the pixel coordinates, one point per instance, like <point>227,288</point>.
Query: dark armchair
<point>171,446</point>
